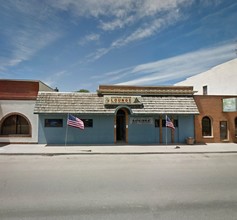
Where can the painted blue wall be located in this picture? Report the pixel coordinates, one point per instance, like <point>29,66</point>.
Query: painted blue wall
<point>102,131</point>
<point>143,133</point>
<point>185,129</point>
<point>149,134</point>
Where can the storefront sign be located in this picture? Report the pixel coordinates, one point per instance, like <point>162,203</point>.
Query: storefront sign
<point>122,100</point>
<point>143,120</point>
<point>230,105</point>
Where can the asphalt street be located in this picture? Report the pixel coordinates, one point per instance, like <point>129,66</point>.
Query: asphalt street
<point>199,186</point>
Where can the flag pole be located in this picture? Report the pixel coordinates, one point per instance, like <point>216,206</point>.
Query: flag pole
<point>165,130</point>
<point>66,130</point>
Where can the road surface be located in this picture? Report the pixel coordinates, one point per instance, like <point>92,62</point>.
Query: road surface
<point>200,186</point>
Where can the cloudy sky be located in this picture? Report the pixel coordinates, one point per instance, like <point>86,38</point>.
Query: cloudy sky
<point>80,44</point>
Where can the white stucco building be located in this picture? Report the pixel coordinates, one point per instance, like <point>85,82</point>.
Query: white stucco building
<point>18,123</point>
<point>220,80</point>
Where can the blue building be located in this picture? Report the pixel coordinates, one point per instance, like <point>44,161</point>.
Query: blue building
<point>118,115</point>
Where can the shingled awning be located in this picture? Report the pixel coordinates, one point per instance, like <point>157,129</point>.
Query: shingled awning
<point>92,103</point>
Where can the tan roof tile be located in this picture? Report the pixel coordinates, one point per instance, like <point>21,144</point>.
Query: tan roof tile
<point>91,103</point>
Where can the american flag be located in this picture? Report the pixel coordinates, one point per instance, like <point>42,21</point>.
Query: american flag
<point>169,123</point>
<point>75,122</point>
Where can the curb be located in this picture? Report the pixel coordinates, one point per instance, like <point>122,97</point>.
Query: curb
<point>114,153</point>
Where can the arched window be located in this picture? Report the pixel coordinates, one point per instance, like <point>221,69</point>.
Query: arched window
<point>15,125</point>
<point>206,126</point>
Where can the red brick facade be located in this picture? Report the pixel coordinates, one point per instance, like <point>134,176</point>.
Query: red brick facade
<point>212,107</point>
<point>18,90</point>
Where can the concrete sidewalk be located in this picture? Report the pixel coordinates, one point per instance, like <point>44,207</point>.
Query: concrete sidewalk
<point>39,149</point>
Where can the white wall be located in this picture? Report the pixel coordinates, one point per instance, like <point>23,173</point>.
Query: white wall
<point>44,87</point>
<point>220,80</point>
<point>23,107</point>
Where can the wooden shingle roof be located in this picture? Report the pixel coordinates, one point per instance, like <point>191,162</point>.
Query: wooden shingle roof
<point>168,105</point>
<point>92,103</point>
<point>58,102</point>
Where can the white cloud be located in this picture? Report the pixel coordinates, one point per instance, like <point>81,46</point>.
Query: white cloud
<point>52,79</point>
<point>171,69</point>
<point>117,14</point>
<point>118,8</point>
<point>143,17</point>
<point>117,23</point>
<point>26,44</point>
<point>147,30</point>
<point>89,38</point>
<point>26,33</point>
<point>152,16</point>
<point>98,54</point>
<point>93,8</point>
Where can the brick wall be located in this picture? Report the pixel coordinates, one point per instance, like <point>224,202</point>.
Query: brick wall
<point>211,106</point>
<point>18,90</point>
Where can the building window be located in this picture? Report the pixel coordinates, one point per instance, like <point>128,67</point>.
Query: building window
<point>206,126</point>
<point>56,123</point>
<point>15,125</point>
<point>157,123</point>
<point>176,123</point>
<point>204,89</point>
<point>53,122</point>
<point>88,123</point>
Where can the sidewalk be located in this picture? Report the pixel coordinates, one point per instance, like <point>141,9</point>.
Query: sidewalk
<point>39,149</point>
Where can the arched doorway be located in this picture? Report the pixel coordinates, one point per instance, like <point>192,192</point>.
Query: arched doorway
<point>121,126</point>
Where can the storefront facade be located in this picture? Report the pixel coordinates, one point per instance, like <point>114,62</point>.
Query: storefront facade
<point>118,115</point>
<point>18,123</point>
<point>217,121</point>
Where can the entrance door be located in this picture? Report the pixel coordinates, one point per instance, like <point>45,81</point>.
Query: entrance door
<point>121,126</point>
<point>223,130</point>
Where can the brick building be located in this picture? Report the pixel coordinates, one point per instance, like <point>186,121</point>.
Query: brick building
<point>217,121</point>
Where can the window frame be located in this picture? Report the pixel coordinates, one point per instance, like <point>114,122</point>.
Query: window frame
<point>88,122</point>
<point>48,123</point>
<point>157,123</point>
<point>210,128</point>
<point>204,90</point>
<point>19,117</point>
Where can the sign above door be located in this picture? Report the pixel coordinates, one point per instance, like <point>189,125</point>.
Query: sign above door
<point>122,100</point>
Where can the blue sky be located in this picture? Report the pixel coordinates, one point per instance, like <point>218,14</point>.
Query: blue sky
<point>80,44</point>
